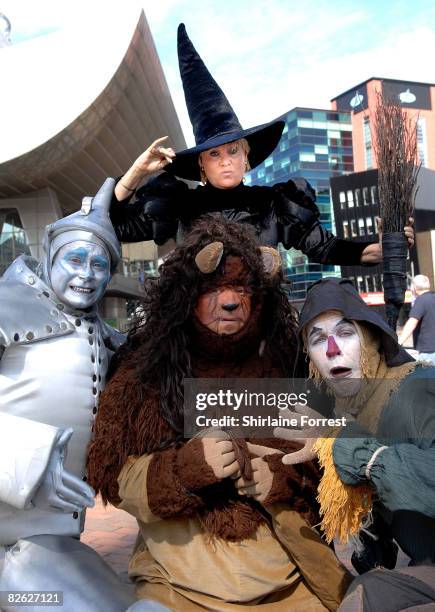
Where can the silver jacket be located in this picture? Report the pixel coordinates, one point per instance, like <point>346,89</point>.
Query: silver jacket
<point>52,369</point>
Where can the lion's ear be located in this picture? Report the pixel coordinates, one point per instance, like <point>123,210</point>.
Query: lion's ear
<point>271,260</point>
<point>209,257</point>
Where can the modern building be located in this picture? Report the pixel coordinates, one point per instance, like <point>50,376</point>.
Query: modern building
<point>76,107</point>
<point>316,144</point>
<point>418,101</point>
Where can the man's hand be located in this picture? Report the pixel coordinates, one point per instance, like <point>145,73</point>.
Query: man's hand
<point>60,490</point>
<point>220,455</point>
<point>307,436</point>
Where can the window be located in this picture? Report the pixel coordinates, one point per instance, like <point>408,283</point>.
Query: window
<point>366,198</point>
<point>361,228</point>
<point>358,201</point>
<point>368,143</point>
<point>350,198</point>
<point>345,229</point>
<point>321,149</point>
<point>342,197</point>
<point>369,283</point>
<point>13,239</point>
<point>268,162</point>
<point>369,226</point>
<point>333,162</point>
<point>421,141</point>
<point>307,157</point>
<point>261,173</point>
<point>283,145</point>
<point>374,194</point>
<point>360,284</point>
<point>353,230</point>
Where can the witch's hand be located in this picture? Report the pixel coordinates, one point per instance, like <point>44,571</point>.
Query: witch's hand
<point>154,159</point>
<point>372,254</point>
<point>409,232</point>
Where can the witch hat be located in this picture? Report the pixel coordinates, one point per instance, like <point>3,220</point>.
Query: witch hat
<point>213,120</point>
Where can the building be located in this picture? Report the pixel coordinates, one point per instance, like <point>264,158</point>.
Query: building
<point>356,206</point>
<point>316,144</point>
<point>355,196</point>
<point>75,108</point>
<point>417,99</point>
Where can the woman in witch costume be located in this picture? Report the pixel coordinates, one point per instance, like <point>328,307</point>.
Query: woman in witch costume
<point>165,207</point>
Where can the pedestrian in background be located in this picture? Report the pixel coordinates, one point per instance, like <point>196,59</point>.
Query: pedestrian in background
<point>421,319</point>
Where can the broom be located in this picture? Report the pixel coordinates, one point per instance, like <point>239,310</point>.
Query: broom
<point>395,145</point>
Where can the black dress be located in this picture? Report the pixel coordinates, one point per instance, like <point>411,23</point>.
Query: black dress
<point>165,208</point>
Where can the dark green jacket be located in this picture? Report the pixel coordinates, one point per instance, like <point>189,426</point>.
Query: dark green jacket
<point>403,475</point>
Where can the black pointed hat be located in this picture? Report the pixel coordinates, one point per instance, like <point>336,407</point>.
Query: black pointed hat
<point>213,120</point>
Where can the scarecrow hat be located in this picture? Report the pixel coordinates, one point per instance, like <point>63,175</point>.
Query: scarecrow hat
<point>213,120</point>
<point>340,294</point>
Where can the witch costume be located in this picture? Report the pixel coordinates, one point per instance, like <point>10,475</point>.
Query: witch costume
<point>385,458</point>
<point>285,213</point>
<point>202,545</point>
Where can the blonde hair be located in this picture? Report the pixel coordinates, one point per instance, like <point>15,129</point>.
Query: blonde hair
<point>244,144</point>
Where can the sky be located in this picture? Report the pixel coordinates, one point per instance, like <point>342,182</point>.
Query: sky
<point>268,56</point>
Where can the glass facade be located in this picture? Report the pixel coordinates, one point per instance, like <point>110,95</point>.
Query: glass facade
<point>316,144</point>
<point>13,240</point>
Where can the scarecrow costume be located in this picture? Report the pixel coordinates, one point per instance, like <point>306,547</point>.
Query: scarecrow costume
<point>286,213</point>
<point>383,460</point>
<point>201,545</point>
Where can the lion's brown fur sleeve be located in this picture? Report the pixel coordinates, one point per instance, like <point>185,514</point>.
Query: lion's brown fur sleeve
<point>128,423</point>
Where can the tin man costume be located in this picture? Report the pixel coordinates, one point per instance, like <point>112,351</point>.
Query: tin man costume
<point>54,354</point>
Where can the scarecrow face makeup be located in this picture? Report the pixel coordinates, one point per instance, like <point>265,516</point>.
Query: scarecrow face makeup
<point>334,347</point>
<point>224,310</point>
<point>80,274</point>
<point>224,166</point>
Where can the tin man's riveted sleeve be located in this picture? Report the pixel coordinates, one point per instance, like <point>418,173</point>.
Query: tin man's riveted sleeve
<point>25,449</point>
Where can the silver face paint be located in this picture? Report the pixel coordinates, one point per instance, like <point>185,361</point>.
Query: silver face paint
<point>80,274</point>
